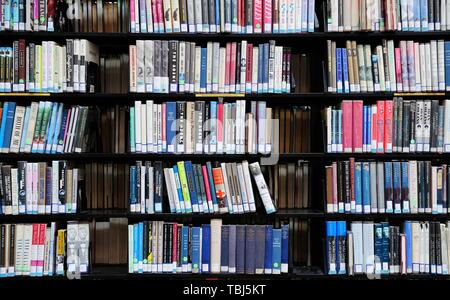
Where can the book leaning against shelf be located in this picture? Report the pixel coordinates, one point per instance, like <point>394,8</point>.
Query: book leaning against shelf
<point>38,188</point>
<point>40,249</point>
<point>195,188</point>
<point>164,247</point>
<point>382,248</point>
<point>387,15</point>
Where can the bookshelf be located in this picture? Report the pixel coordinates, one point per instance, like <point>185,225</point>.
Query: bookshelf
<point>317,99</point>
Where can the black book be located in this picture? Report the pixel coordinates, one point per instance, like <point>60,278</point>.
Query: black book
<point>2,245</point>
<point>250,249</point>
<point>145,242</point>
<point>432,245</point>
<point>434,125</point>
<point>406,125</point>
<point>6,172</point>
<point>347,193</point>
<point>165,244</point>
<point>412,123</point>
<point>427,176</point>
<point>421,186</point>
<point>438,246</point>
<point>430,14</point>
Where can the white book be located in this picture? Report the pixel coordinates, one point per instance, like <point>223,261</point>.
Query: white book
<point>261,121</point>
<point>444,249</point>
<point>426,130</point>
<point>216,67</point>
<point>27,248</point>
<point>368,248</point>
<point>413,189</point>
<point>143,128</point>
<point>137,126</point>
<point>167,15</point>
<point>130,249</point>
<point>255,66</point>
<point>197,68</point>
<point>17,130</point>
<point>424,80</point>
<point>243,188</point>
<point>283,15</point>
<point>148,65</point>
<point>434,65</point>
<point>170,190</point>
<point>242,65</point>
<point>227,189</point>
<point>222,66</point>
<point>19,248</point>
<point>28,188</point>
<point>358,256</point>
<point>72,129</point>
<point>441,65</point>
<point>198,15</point>
<point>175,15</point>
<point>428,66</point>
<point>209,66</point>
<point>417,70</point>
<point>216,225</point>
<point>292,14</point>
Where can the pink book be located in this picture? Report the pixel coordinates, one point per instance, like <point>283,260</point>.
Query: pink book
<point>34,249</point>
<point>227,67</point>
<point>36,15</point>
<point>207,189</point>
<point>164,141</point>
<point>336,203</point>
<point>380,126</point>
<point>155,17</point>
<point>257,16</point>
<point>358,126</point>
<point>132,16</point>
<point>347,126</point>
<point>29,187</point>
<point>398,70</point>
<point>159,6</point>
<point>404,66</point>
<point>388,116</point>
<point>219,127</point>
<point>267,16</point>
<point>233,67</point>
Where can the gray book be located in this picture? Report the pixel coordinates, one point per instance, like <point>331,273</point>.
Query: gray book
<point>157,66</point>
<point>434,125</point>
<point>406,125</point>
<point>260,246</point>
<point>373,187</point>
<point>184,15</point>
<point>192,68</point>
<point>232,249</point>
<point>165,66</point>
<point>395,126</point>
<point>380,187</point>
<point>198,123</point>
<point>187,61</point>
<point>250,249</point>
<point>205,16</point>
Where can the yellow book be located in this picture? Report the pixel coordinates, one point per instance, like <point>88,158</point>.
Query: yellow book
<point>184,186</point>
<point>60,251</point>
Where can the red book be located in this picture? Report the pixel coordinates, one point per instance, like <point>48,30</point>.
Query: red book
<point>227,67</point>
<point>175,246</point>
<point>257,16</point>
<point>388,117</point>
<point>398,70</point>
<point>40,262</point>
<point>352,184</point>
<point>347,125</point>
<point>34,248</point>
<point>380,126</point>
<point>248,70</point>
<point>155,17</point>
<point>358,126</point>
<point>207,187</point>
<point>240,13</point>
<point>268,16</point>
<point>233,67</point>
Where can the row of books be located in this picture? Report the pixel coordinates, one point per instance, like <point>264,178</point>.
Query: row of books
<point>38,188</point>
<point>387,15</point>
<point>49,67</point>
<point>409,67</point>
<point>382,248</point>
<point>195,188</point>
<point>387,187</point>
<point>43,127</point>
<point>211,16</point>
<point>388,126</point>
<point>201,127</point>
<point>40,249</point>
<point>159,246</point>
<point>184,67</point>
<point>64,16</point>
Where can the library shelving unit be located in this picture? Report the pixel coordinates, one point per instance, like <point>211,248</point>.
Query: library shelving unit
<point>318,98</point>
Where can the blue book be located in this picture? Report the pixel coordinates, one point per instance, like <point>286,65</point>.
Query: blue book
<point>416,10</point>
<point>358,187</point>
<point>331,246</point>
<point>240,249</point>
<point>133,198</point>
<point>378,245</point>
<point>135,248</point>
<point>25,126</point>
<point>140,248</point>
<point>369,128</point>
<point>338,70</point>
<point>285,248</point>
<point>276,251</point>
<point>266,68</point>
<point>217,6</point>
<point>203,70</point>
<point>386,248</point>
<point>364,127</point>
<point>405,187</point>
<point>408,237</point>
<point>185,248</point>
<point>206,247</point>
<point>9,125</point>
<point>213,127</point>
<point>58,128</point>
<point>196,249</point>
<point>339,131</point>
<point>341,247</point>
<point>261,69</point>
<point>345,70</point>
<point>132,130</point>
<point>447,65</point>
<point>179,190</point>
<point>191,185</point>
<point>51,128</point>
<point>171,127</point>
<point>198,180</point>
<point>250,249</point>
<point>224,248</point>
<point>366,186</point>
<point>424,14</point>
<point>3,125</point>
<point>397,187</point>
<point>15,14</point>
<point>260,247</point>
<point>388,187</point>
<point>268,250</point>
<point>159,186</point>
<point>334,117</point>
